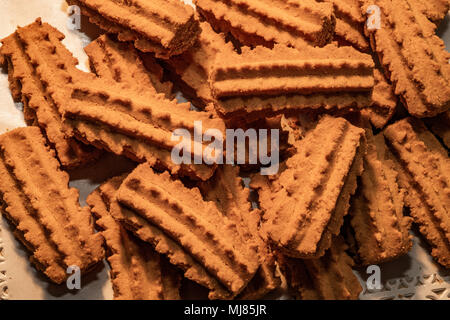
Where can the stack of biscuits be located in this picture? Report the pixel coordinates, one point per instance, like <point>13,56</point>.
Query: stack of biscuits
<point>363,113</point>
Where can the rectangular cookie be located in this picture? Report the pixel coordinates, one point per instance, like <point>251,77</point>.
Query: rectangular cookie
<point>137,271</point>
<point>413,57</point>
<point>163,27</point>
<point>328,278</point>
<point>305,205</point>
<point>423,167</point>
<point>45,212</point>
<point>266,22</point>
<point>191,232</point>
<point>376,212</point>
<point>39,66</point>
<point>264,81</point>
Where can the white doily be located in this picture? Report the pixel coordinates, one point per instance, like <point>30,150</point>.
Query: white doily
<point>412,277</point>
<point>421,287</point>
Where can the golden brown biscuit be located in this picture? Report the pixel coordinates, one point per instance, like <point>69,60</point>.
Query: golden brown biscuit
<point>45,212</point>
<point>166,246</point>
<point>376,211</point>
<point>328,278</point>
<point>191,70</point>
<point>136,124</point>
<point>164,27</point>
<point>137,271</point>
<point>191,232</point>
<point>282,79</point>
<point>384,101</point>
<point>39,65</point>
<point>413,57</point>
<point>305,207</point>
<point>226,189</point>
<point>266,22</point>
<point>423,167</point>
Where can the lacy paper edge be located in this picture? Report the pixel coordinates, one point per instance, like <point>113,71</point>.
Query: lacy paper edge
<point>420,287</point>
<point>425,279</point>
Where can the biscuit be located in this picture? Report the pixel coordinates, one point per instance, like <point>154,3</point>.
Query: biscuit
<point>163,27</point>
<point>317,182</point>
<point>45,212</point>
<point>423,167</point>
<point>165,245</point>
<point>137,271</point>
<point>376,211</point>
<point>136,124</point>
<point>266,22</point>
<point>191,232</point>
<point>413,57</point>
<point>38,66</point>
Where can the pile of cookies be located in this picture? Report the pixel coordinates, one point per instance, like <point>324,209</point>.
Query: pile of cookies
<point>363,115</point>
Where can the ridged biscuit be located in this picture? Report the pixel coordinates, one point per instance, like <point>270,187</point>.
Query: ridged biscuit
<point>163,27</point>
<point>305,206</point>
<point>328,278</point>
<point>423,167</point>
<point>137,271</point>
<point>413,57</point>
<point>45,212</point>
<point>39,66</point>
<point>281,79</point>
<point>191,232</point>
<point>267,22</point>
<point>136,124</point>
<point>376,211</point>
